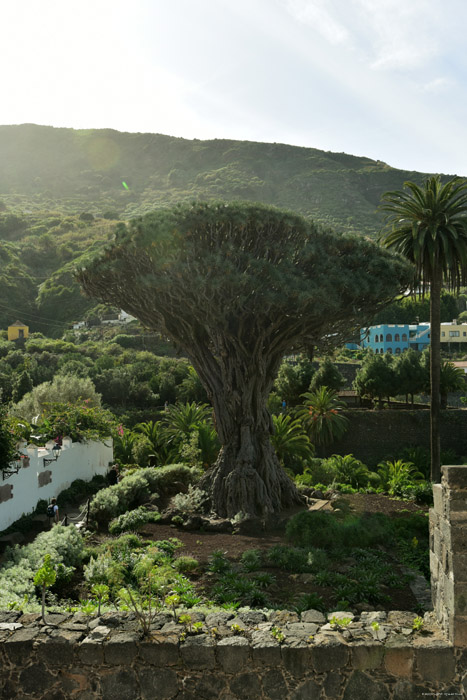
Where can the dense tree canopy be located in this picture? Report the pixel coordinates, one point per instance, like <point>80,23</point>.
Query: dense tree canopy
<point>236,287</point>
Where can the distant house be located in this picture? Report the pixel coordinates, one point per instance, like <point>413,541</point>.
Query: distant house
<point>394,338</point>
<point>17,330</point>
<point>455,335</point>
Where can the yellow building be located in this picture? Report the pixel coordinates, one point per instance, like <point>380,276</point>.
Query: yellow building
<point>17,330</point>
<point>454,332</point>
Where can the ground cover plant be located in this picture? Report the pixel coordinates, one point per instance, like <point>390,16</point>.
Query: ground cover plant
<point>326,561</point>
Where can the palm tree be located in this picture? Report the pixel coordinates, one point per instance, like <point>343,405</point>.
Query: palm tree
<point>322,415</point>
<point>290,440</point>
<point>428,225</point>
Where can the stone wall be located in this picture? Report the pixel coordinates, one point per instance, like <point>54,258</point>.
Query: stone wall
<point>375,435</point>
<point>448,553</point>
<point>375,657</point>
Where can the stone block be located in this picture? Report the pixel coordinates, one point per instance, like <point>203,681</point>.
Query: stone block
<point>433,519</point>
<point>35,680</point>
<point>367,655</point>
<point>309,690</point>
<point>198,652</point>
<point>233,653</point>
<point>158,683</point>
<point>329,656</point>
<point>118,685</point>
<point>435,663</point>
<point>266,654</point>
<point>333,684</point>
<point>296,660</point>
<point>360,686</point>
<point>434,566</point>
<point>314,616</point>
<point>20,645</point>
<point>246,686</point>
<point>459,567</point>
<point>58,651</point>
<point>121,649</point>
<point>454,476</point>
<point>160,653</point>
<point>457,630</point>
<point>398,661</point>
<point>91,653</point>
<point>274,685</point>
<point>438,500</point>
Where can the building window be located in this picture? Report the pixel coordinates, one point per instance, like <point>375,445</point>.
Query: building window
<point>442,333</point>
<point>376,338</point>
<point>454,334</point>
<point>398,351</point>
<point>397,338</point>
<point>388,338</point>
<point>389,350</point>
<point>464,333</point>
<point>404,337</point>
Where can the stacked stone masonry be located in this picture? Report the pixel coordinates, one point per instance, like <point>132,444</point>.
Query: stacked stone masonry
<point>448,553</point>
<point>252,655</point>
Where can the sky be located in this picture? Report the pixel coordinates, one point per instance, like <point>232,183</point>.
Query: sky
<point>386,79</point>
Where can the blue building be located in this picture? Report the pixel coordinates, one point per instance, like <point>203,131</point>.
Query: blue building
<point>395,337</point>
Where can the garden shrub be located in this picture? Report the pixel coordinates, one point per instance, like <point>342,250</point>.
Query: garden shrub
<point>318,471</point>
<point>131,491</point>
<point>80,490</point>
<point>167,479</point>
<point>132,520</point>
<point>318,529</point>
<point>184,564</point>
<point>66,548</point>
<point>288,558</point>
<point>103,569</point>
<point>190,502</point>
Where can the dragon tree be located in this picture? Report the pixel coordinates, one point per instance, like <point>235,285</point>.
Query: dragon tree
<point>236,287</point>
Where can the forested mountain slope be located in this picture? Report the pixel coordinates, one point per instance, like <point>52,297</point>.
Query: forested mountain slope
<point>61,190</point>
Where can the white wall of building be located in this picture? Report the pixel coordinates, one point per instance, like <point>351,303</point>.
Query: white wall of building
<point>20,492</point>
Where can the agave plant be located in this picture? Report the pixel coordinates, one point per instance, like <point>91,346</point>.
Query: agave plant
<point>322,414</point>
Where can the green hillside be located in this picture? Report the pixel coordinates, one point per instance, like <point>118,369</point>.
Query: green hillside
<point>61,189</point>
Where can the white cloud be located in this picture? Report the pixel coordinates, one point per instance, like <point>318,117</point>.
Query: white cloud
<point>320,16</point>
<point>437,85</point>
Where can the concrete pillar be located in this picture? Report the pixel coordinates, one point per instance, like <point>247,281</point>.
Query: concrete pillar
<point>448,553</point>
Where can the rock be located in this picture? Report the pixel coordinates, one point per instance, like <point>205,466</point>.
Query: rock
<point>195,522</point>
<point>218,526</point>
<point>313,616</point>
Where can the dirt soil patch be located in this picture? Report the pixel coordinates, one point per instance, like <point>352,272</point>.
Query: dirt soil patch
<point>288,586</point>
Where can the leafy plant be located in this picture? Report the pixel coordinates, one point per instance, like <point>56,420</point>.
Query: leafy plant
<point>322,413</point>
<point>251,559</point>
<point>45,577</point>
<point>185,564</point>
<point>133,520</point>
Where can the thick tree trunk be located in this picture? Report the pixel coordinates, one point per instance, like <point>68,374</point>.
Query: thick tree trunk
<point>247,477</point>
<point>435,371</point>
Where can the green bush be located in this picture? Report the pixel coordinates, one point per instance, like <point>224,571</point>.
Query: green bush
<point>66,548</point>
<point>318,471</point>
<point>131,491</point>
<point>318,529</point>
<point>132,520</point>
<point>166,480</point>
<point>184,564</point>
